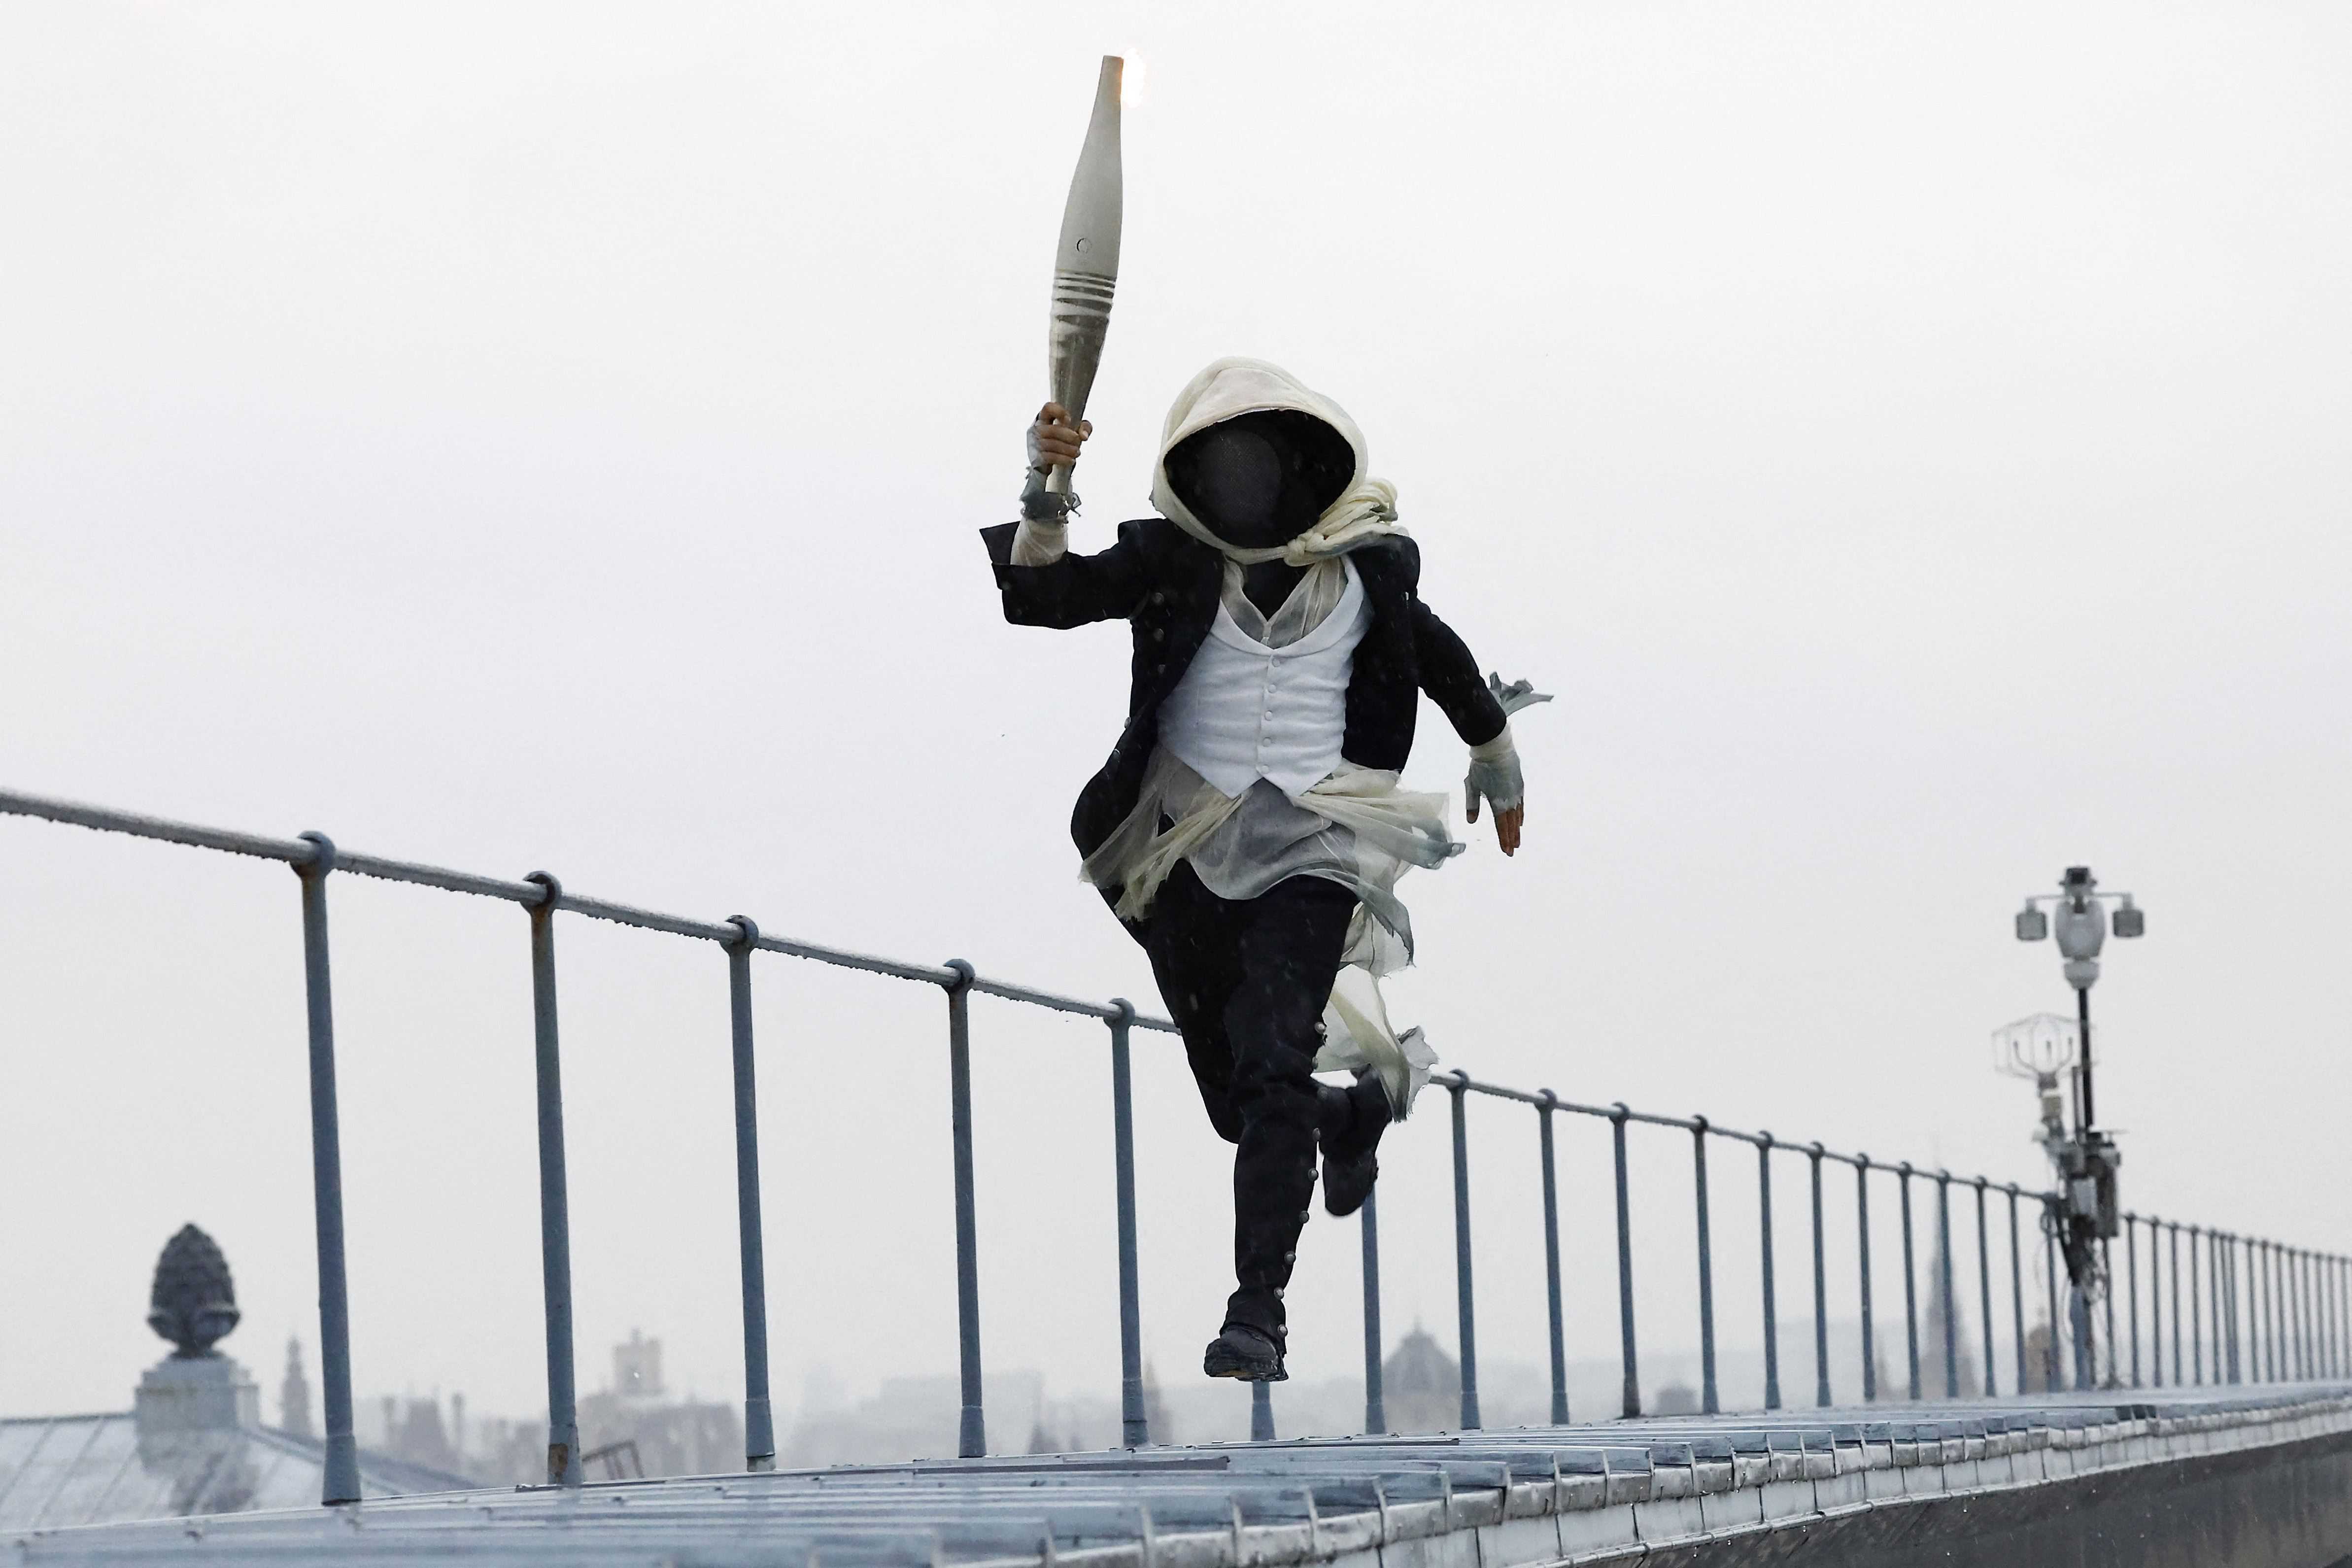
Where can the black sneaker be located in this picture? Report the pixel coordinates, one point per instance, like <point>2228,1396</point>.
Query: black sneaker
<point>1349,1167</point>
<point>1241,1351</point>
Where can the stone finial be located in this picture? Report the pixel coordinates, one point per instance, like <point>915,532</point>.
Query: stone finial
<point>194,1301</point>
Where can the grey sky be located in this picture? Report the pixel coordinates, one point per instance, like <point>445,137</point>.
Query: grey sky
<point>1912,441</point>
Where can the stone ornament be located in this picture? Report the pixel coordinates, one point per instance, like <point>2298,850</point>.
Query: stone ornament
<point>194,1303</point>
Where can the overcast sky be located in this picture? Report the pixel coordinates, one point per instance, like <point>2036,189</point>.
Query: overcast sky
<point>1913,442</point>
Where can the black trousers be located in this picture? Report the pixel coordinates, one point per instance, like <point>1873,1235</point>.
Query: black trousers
<point>1246,981</point>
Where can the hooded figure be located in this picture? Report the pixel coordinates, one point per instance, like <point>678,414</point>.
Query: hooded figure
<point>1248,829</point>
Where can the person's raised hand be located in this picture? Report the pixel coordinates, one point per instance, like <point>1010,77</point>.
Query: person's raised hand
<point>1053,441</point>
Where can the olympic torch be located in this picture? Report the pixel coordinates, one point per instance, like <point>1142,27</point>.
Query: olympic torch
<point>1086,272</point>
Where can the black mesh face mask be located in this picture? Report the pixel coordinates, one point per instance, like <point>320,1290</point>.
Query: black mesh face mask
<point>1261,479</point>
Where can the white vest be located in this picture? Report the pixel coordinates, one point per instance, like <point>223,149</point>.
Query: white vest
<point>1246,711</point>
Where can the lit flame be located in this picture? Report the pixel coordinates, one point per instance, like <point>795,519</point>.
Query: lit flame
<point>1131,79</point>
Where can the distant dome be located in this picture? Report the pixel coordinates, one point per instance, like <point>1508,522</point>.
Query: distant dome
<point>194,1303</point>
<point>1420,1365</point>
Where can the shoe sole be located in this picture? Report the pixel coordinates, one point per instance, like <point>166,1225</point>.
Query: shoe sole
<point>1244,1369</point>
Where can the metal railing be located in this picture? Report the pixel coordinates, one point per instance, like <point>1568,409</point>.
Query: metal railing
<point>2261,1310</point>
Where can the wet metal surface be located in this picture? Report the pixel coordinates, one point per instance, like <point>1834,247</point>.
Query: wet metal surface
<point>1550,1495</point>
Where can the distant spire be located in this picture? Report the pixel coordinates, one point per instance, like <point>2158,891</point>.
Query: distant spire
<point>294,1395</point>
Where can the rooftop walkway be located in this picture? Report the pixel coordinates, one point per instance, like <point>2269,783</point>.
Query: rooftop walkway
<point>2202,1475</point>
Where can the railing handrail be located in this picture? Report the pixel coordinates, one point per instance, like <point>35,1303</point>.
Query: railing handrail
<point>2275,1310</point>
<point>300,852</point>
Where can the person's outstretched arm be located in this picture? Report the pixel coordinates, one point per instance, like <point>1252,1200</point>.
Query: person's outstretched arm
<point>1450,677</point>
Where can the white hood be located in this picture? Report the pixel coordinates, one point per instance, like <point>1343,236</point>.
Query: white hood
<point>1366,509</point>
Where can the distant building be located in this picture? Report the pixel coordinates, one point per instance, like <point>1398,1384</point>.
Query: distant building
<point>636,1368</point>
<point>1156,1416</point>
<point>1675,1399</point>
<point>193,1442</point>
<point>1421,1385</point>
<point>294,1395</point>
<point>1931,1338</point>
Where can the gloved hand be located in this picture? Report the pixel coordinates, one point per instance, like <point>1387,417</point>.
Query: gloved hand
<point>1052,442</point>
<point>1495,765</point>
<point>1499,780</point>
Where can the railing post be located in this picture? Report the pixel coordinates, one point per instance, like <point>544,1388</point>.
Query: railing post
<point>1709,1401</point>
<point>2131,1269</point>
<point>2281,1293</point>
<point>1862,1234</point>
<point>1821,1289</point>
<point>2298,1302</point>
<point>2213,1306</point>
<point>1632,1402</point>
<point>554,1201</point>
<point>2195,1310</point>
<point>2322,1303</point>
<point>1943,1285</point>
<point>2279,1297</point>
<point>2316,1315</point>
<point>1771,1316</point>
<point>1134,1420</point>
<point>2232,1255</point>
<point>1261,1413</point>
<point>1551,1266</point>
<point>2312,1336</point>
<point>971,1432</point>
<point>2225,1272</point>
<point>2050,1268</point>
<point>2106,1263</point>
<point>1910,1279</point>
<point>2016,1290</point>
<point>2322,1361</point>
<point>2278,1328</point>
<point>2107,1268</point>
<point>2331,1309</point>
<point>2298,1339</point>
<point>2245,1319</point>
<point>2263,1258</point>
<point>759,1419</point>
<point>2261,1297</point>
<point>2225,1306</point>
<point>2330,1346</point>
<point>2307,1360</point>
<point>2344,1313</point>
<point>341,1477</point>
<point>2256,1318</point>
<point>1460,1089</point>
<point>1376,1410</point>
<point>1984,1288</point>
<point>2242,1366</point>
<point>2279,1325</point>
<point>2172,1273</point>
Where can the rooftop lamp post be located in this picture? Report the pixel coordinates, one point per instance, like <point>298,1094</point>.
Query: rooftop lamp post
<point>2087,1160</point>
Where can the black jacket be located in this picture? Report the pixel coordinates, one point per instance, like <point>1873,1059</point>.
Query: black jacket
<point>1165,585</point>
